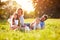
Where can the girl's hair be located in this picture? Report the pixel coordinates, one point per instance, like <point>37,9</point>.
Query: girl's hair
<point>21,10</point>
<point>14,19</point>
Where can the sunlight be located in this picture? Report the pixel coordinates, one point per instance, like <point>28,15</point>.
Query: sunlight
<point>26,5</point>
<point>3,0</point>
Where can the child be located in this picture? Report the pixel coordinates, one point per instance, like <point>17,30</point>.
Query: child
<point>20,14</point>
<point>42,19</point>
<point>14,22</point>
<point>36,24</point>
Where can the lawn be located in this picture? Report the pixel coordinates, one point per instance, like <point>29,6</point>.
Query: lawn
<point>51,31</point>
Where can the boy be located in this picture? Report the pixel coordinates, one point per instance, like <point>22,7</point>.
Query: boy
<point>42,19</point>
<point>39,23</point>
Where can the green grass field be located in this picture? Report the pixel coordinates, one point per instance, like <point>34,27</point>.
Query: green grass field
<point>51,31</point>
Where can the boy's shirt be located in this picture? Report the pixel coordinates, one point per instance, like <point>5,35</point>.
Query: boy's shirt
<point>42,24</point>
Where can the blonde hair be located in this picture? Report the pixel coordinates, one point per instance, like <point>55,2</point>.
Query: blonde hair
<point>21,10</point>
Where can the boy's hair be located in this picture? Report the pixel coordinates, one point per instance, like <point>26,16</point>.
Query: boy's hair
<point>46,16</point>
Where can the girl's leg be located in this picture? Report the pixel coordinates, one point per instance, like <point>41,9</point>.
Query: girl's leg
<point>13,27</point>
<point>27,29</point>
<point>34,28</point>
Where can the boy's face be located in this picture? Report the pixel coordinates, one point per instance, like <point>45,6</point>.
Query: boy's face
<point>43,19</point>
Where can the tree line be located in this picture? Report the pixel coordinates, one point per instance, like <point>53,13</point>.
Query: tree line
<point>49,7</point>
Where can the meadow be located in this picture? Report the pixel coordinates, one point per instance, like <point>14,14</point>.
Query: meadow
<point>50,32</point>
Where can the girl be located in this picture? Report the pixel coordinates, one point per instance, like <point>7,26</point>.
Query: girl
<point>15,22</point>
<point>36,24</point>
<point>20,15</point>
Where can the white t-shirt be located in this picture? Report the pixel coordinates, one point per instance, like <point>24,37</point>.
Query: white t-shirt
<point>16,22</point>
<point>10,21</point>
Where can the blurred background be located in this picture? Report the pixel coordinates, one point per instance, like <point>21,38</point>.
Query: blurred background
<point>31,8</point>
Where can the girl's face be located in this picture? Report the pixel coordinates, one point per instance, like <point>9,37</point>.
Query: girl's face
<point>19,12</point>
<point>37,21</point>
<point>15,16</point>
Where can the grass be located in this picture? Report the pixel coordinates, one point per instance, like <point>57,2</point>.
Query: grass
<point>28,20</point>
<point>51,31</point>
